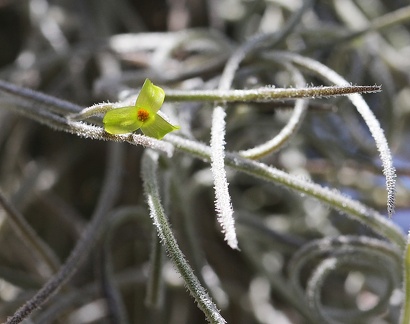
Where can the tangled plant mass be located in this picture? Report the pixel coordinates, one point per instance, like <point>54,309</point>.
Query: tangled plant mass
<point>217,196</point>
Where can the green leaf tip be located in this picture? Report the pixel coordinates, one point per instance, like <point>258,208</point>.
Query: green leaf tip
<point>144,114</point>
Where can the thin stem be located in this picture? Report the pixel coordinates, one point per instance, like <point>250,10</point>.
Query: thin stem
<point>366,113</point>
<point>363,250</point>
<point>149,169</point>
<point>265,94</point>
<point>362,262</point>
<point>388,20</point>
<point>154,295</point>
<point>87,241</point>
<point>63,303</point>
<point>290,128</point>
<point>111,290</point>
<point>29,236</point>
<point>82,129</point>
<point>117,312</point>
<point>334,199</point>
<point>59,105</point>
<point>257,42</point>
<point>88,112</point>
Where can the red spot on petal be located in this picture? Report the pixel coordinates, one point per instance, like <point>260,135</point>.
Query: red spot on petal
<point>142,115</point>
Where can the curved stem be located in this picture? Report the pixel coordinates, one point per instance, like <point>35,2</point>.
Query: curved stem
<point>259,41</point>
<point>149,169</point>
<point>366,113</point>
<point>334,199</point>
<point>290,128</point>
<point>87,241</point>
<point>29,236</point>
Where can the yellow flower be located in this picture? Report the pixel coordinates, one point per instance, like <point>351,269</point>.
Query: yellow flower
<point>144,114</point>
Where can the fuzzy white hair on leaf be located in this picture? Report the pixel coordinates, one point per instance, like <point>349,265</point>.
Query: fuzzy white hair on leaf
<point>223,203</point>
<point>366,113</point>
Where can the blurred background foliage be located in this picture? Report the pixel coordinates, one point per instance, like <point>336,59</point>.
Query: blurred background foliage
<point>85,52</point>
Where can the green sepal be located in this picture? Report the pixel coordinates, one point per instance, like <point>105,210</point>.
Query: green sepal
<point>126,120</point>
<point>150,97</point>
<point>159,127</point>
<point>121,120</point>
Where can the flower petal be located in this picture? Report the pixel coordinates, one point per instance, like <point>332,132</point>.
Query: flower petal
<point>150,97</point>
<point>121,120</point>
<point>159,127</point>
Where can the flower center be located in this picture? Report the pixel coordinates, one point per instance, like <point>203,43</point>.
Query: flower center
<point>142,115</point>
